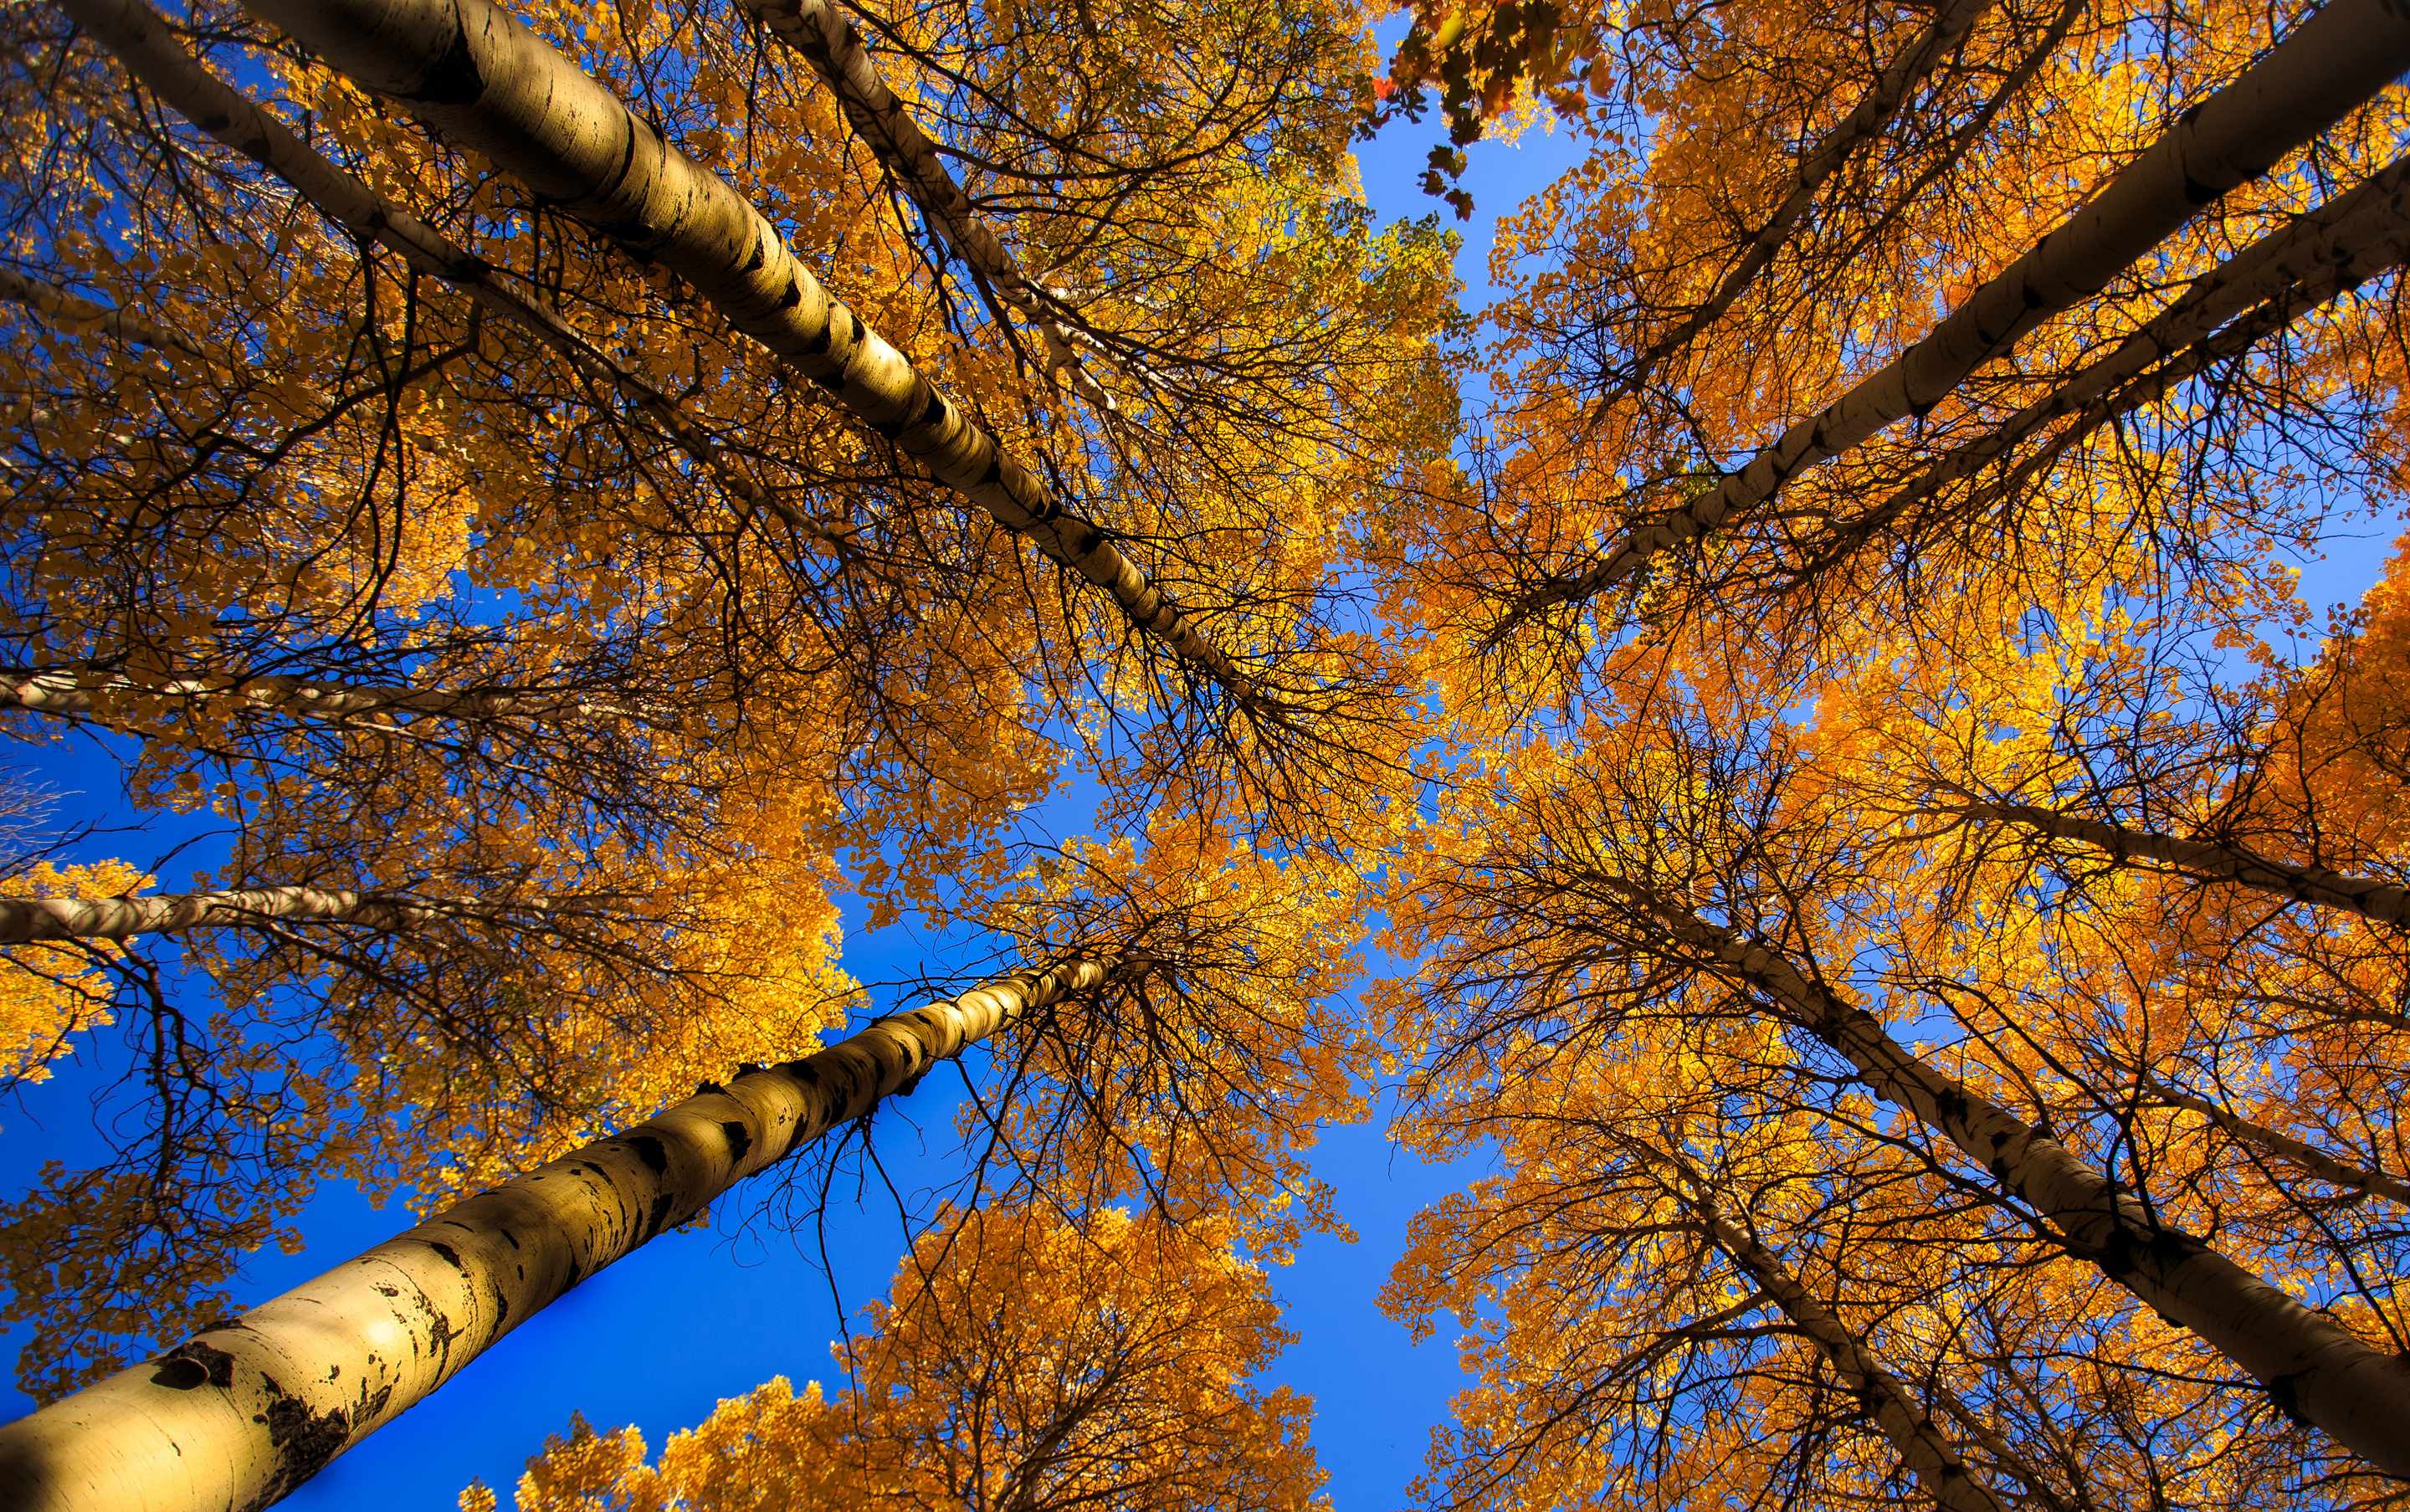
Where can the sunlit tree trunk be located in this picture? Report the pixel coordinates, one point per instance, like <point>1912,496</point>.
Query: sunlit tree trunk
<point>169,913</point>
<point>145,43</point>
<point>490,84</point>
<point>824,39</point>
<point>2311,1367</point>
<point>76,692</point>
<point>244,1412</point>
<point>2371,899</point>
<point>2333,62</point>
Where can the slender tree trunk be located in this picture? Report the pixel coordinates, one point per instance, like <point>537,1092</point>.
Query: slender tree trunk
<point>145,44</point>
<point>2308,1157</point>
<point>2332,62</point>
<point>824,39</point>
<point>102,695</point>
<point>56,304</point>
<point>1861,125</point>
<point>490,84</point>
<point>2313,1368</point>
<point>23,919</point>
<point>1930,1455</point>
<point>2312,259</point>
<point>2386,902</point>
<point>244,1412</point>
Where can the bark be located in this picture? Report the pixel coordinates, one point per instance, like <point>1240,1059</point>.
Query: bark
<point>2312,259</point>
<point>1861,125</point>
<point>2385,902</point>
<point>56,304</point>
<point>75,691</point>
<point>246,1411</point>
<point>2309,1157</point>
<point>824,39</point>
<point>2313,1369</point>
<point>144,42</point>
<point>489,83</point>
<point>2330,64</point>
<point>23,919</point>
<point>1935,1461</point>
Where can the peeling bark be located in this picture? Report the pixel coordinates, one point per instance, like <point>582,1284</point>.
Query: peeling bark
<point>2313,1369</point>
<point>489,83</point>
<point>2338,58</point>
<point>246,1411</point>
<point>814,30</point>
<point>2385,902</point>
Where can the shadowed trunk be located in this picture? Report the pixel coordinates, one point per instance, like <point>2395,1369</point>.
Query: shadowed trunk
<point>248,1410</point>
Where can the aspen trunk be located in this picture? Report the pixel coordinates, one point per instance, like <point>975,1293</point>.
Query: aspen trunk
<point>79,691</point>
<point>2311,1368</point>
<point>1862,125</point>
<point>244,1412</point>
<point>2386,902</point>
<point>2332,62</point>
<point>2308,1157</point>
<point>23,919</point>
<point>824,39</point>
<point>1935,1461</point>
<point>145,44</point>
<point>2316,257</point>
<point>490,84</point>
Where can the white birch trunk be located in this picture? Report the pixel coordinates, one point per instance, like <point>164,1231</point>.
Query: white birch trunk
<point>57,305</point>
<point>2330,64</point>
<point>2311,1368</point>
<point>241,1414</point>
<point>824,39</point>
<point>2386,902</point>
<point>490,84</point>
<point>2311,259</point>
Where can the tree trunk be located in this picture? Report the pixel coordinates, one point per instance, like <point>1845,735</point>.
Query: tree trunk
<point>101,694</point>
<point>2312,259</point>
<point>145,44</point>
<point>491,85</point>
<point>2309,1157</point>
<point>2313,1369</point>
<point>2332,62</point>
<point>23,919</point>
<point>824,39</point>
<point>2386,902</point>
<point>244,1412</point>
<point>56,304</point>
<point>1936,1463</point>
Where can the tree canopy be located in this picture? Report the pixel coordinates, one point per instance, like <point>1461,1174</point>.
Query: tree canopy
<point>1795,733</point>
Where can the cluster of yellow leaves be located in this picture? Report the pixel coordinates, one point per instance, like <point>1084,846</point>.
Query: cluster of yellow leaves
<point>1022,1361</point>
<point>54,992</point>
